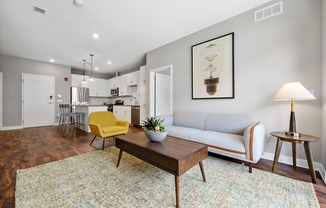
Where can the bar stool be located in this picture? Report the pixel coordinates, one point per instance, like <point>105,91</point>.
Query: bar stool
<point>66,116</point>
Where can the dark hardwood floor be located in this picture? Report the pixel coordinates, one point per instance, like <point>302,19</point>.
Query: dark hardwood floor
<point>35,146</point>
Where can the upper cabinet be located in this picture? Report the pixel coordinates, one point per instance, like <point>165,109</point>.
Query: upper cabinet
<point>132,78</point>
<point>123,82</point>
<point>128,84</point>
<point>99,88</point>
<point>77,80</point>
<point>112,83</point>
<point>142,75</point>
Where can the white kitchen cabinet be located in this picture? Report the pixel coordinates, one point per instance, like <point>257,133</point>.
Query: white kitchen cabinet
<point>122,113</point>
<point>142,76</point>
<point>113,83</point>
<point>76,80</point>
<point>92,88</point>
<point>99,88</point>
<point>143,100</point>
<point>132,78</point>
<point>102,88</point>
<point>121,83</point>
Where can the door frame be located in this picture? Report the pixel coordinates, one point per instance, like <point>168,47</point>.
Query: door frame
<point>22,98</point>
<point>152,90</point>
<point>1,100</point>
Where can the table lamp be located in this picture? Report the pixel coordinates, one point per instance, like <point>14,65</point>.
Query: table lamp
<point>293,91</point>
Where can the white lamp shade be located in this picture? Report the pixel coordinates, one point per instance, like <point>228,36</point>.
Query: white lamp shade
<point>293,91</point>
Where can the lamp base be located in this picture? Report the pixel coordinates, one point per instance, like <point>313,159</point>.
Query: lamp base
<point>294,134</point>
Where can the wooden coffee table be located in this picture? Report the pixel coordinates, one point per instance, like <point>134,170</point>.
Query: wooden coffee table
<point>173,155</point>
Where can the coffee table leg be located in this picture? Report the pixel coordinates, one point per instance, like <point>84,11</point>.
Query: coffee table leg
<point>120,155</point>
<point>202,170</point>
<point>177,190</point>
<point>310,161</point>
<point>277,153</point>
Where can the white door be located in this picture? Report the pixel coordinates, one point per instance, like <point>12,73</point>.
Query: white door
<point>38,100</point>
<point>162,95</point>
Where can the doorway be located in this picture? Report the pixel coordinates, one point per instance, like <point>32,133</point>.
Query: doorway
<point>38,101</point>
<point>161,91</point>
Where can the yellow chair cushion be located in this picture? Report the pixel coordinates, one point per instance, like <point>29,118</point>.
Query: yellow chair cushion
<point>113,129</point>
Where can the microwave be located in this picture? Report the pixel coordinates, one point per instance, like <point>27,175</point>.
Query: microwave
<point>115,91</point>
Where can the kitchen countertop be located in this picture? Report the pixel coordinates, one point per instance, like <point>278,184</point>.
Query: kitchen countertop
<point>104,105</point>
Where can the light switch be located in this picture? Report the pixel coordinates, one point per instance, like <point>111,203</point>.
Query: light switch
<point>59,96</point>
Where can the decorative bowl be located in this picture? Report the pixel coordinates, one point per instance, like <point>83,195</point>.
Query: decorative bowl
<point>155,136</point>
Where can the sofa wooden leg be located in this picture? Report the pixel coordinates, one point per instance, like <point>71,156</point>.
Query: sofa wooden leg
<point>250,167</point>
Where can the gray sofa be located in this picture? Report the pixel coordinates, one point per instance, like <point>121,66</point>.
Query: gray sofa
<point>237,136</point>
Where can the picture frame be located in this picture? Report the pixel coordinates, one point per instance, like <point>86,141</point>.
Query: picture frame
<point>213,68</point>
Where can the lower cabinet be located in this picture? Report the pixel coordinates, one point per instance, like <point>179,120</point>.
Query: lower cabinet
<point>122,113</point>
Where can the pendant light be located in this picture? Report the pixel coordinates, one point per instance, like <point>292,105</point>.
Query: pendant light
<point>84,80</point>
<point>91,77</point>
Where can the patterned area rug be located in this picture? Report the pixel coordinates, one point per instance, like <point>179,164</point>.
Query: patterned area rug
<point>92,180</point>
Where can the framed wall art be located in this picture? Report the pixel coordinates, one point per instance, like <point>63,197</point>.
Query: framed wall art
<point>213,68</point>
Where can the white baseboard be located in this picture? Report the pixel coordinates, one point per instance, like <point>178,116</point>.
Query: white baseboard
<point>18,127</point>
<point>10,128</point>
<point>300,163</point>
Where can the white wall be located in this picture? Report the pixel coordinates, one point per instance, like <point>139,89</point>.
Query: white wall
<point>269,53</point>
<point>323,139</point>
<point>12,69</point>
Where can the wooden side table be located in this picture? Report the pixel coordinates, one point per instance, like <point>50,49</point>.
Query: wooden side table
<point>306,139</point>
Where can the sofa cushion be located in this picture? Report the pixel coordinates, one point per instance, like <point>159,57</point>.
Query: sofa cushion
<point>226,142</point>
<point>232,124</point>
<point>189,119</point>
<point>180,132</point>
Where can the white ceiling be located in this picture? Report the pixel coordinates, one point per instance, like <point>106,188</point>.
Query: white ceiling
<point>127,28</point>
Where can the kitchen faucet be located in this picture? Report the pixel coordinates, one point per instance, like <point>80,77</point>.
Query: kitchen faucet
<point>132,99</point>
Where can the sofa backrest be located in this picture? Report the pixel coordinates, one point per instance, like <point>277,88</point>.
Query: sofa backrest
<point>232,124</point>
<point>189,119</point>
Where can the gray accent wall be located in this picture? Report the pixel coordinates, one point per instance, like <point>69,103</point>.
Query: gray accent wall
<point>12,69</point>
<point>323,152</point>
<point>281,49</point>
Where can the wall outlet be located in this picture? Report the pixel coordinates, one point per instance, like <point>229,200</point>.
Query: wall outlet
<point>58,115</point>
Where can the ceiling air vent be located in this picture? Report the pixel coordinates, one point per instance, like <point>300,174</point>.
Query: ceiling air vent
<point>38,9</point>
<point>269,11</point>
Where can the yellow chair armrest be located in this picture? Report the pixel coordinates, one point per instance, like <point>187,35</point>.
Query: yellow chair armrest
<point>96,129</point>
<point>123,123</point>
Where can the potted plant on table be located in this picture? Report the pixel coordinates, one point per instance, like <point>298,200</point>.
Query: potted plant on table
<point>154,129</point>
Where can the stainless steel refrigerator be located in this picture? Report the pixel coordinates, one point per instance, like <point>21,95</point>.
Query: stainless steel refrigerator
<point>79,95</point>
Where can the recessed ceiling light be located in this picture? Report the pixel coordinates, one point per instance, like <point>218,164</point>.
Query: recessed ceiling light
<point>95,35</point>
<point>78,3</point>
<point>51,60</point>
<point>109,62</point>
<point>96,68</point>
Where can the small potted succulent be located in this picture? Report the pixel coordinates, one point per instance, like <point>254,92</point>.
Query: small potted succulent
<point>154,129</point>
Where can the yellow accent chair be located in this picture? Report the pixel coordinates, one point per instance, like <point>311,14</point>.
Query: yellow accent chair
<point>104,124</point>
